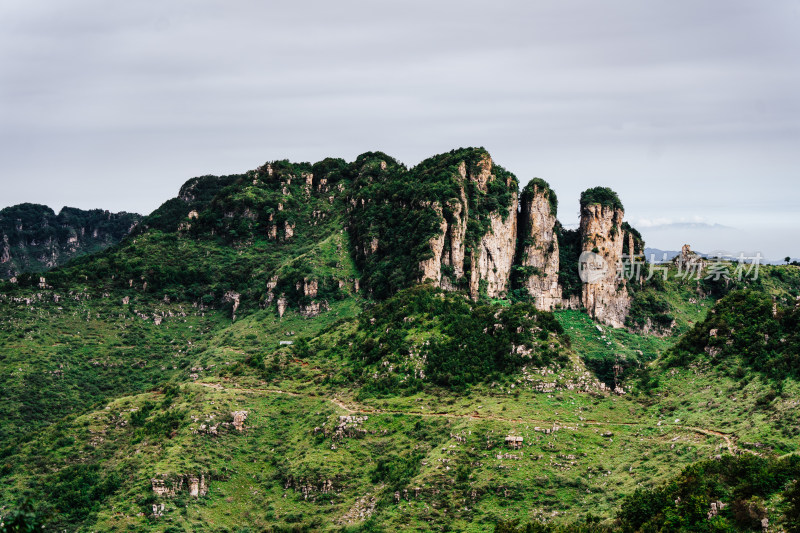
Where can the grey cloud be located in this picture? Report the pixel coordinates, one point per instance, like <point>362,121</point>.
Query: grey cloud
<point>684,109</point>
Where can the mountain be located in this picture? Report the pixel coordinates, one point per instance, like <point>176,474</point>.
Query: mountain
<point>362,346</point>
<point>661,255</point>
<point>451,220</point>
<point>34,239</point>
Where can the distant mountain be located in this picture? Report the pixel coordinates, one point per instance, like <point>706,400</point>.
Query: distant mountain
<point>661,255</point>
<point>33,238</point>
<point>671,254</point>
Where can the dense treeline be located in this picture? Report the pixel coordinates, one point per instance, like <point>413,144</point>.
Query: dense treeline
<point>25,223</point>
<point>741,483</point>
<point>601,195</point>
<point>746,326</point>
<point>569,250</point>
<point>689,502</point>
<point>429,336</point>
<point>195,194</point>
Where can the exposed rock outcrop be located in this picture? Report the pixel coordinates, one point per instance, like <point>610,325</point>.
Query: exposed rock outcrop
<point>171,486</point>
<point>604,296</point>
<point>310,287</point>
<point>432,267</point>
<point>538,245</point>
<point>271,284</point>
<point>689,260</point>
<point>238,419</point>
<point>488,265</point>
<point>288,230</point>
<point>313,308</point>
<point>496,254</point>
<point>477,231</point>
<point>234,298</point>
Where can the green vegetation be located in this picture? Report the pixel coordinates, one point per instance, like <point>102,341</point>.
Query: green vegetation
<point>196,194</point>
<point>91,351</point>
<point>601,195</point>
<point>650,310</point>
<point>425,335</point>
<point>157,386</point>
<point>569,250</point>
<point>437,445</point>
<point>35,239</point>
<point>540,185</point>
<point>743,484</point>
<point>238,243</point>
<point>638,241</point>
<point>395,212</point>
<point>746,327</point>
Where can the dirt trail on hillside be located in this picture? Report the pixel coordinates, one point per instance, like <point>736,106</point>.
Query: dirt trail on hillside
<point>714,433</point>
<point>220,387</point>
<point>362,409</point>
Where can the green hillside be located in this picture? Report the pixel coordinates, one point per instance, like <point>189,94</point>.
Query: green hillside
<point>239,363</point>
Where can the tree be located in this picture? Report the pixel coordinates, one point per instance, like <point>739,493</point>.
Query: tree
<point>787,259</point>
<point>792,497</point>
<point>22,520</point>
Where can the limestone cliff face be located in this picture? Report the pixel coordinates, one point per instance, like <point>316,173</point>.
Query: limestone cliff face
<point>453,232</point>
<point>431,268</point>
<point>495,254</point>
<point>487,264</point>
<point>538,247</point>
<point>605,298</point>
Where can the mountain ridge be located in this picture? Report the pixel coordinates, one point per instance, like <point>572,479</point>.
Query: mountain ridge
<point>362,347</point>
<point>452,219</point>
<point>33,238</point>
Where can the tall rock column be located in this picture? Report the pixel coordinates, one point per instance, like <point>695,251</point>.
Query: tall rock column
<point>538,245</point>
<point>495,254</point>
<point>604,296</point>
<point>475,244</point>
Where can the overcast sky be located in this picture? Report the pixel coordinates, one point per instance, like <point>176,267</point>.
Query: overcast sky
<point>689,110</point>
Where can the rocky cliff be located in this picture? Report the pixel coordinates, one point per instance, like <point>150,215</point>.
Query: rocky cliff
<point>480,259</point>
<point>33,238</point>
<point>476,242</point>
<point>314,233</point>
<point>495,254</point>
<point>451,220</point>
<point>538,252</point>
<point>456,220</point>
<point>603,295</point>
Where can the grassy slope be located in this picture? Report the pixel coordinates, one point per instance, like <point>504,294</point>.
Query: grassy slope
<point>257,477</point>
<point>573,470</point>
<point>74,388</point>
<point>90,351</point>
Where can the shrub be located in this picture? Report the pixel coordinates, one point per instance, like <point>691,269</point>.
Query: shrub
<point>601,195</point>
<point>746,328</point>
<point>650,307</point>
<point>464,342</point>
